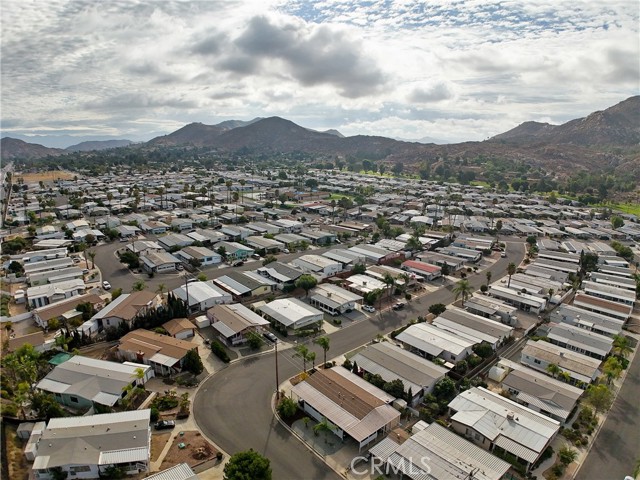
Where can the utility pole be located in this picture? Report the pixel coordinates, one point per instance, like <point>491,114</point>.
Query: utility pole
<point>277,378</point>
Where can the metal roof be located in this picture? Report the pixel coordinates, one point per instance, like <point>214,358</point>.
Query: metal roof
<point>182,471</point>
<point>140,454</point>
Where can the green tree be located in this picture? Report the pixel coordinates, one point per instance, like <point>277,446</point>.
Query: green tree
<point>511,270</point>
<point>554,370</point>
<point>287,408</point>
<point>444,389</point>
<point>616,222</point>
<point>132,260</point>
<point>303,352</point>
<point>612,369</point>
<point>483,349</point>
<point>306,282</point>
<point>463,289</point>
<point>254,340</point>
<point>437,308</point>
<point>193,362</point>
<point>600,397</point>
<point>359,268</point>
<point>247,465</point>
<point>325,343</point>
<point>395,388</point>
<point>567,455</point>
<point>139,286</point>
<point>114,294</point>
<point>488,274</point>
<point>621,346</point>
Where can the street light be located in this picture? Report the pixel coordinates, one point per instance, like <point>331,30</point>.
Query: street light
<point>277,377</point>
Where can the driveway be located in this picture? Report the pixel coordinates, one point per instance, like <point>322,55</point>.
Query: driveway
<point>232,407</point>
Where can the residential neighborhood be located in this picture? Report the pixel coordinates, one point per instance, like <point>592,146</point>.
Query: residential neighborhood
<point>487,331</point>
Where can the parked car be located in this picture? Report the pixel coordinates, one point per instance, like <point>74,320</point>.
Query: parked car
<point>237,263</point>
<point>124,239</point>
<point>179,267</point>
<point>368,308</point>
<point>106,285</point>
<point>165,425</point>
<point>270,336</point>
<point>398,306</point>
<point>256,256</point>
<point>285,250</point>
<point>503,254</point>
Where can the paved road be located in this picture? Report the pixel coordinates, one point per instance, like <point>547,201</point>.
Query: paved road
<point>120,277</point>
<point>617,447</point>
<point>232,406</point>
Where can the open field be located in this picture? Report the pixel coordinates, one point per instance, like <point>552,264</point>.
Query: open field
<point>49,176</point>
<point>196,450</point>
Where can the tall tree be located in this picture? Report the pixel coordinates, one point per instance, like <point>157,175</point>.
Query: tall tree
<point>324,343</point>
<point>621,346</point>
<point>306,282</point>
<point>302,351</point>
<point>511,270</point>
<point>554,370</point>
<point>463,289</point>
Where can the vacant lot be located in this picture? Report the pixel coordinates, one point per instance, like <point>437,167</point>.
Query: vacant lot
<point>158,442</point>
<point>50,176</point>
<point>196,450</point>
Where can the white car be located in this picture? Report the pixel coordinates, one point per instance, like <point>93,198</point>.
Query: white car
<point>369,308</point>
<point>106,285</point>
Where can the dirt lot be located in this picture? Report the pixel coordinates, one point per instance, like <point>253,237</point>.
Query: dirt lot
<point>194,442</point>
<point>49,176</point>
<point>158,442</point>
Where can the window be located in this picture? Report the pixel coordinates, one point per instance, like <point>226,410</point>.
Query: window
<point>73,399</point>
<point>536,361</point>
<point>80,468</point>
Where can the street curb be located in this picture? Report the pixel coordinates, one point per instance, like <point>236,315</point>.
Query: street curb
<point>600,425</point>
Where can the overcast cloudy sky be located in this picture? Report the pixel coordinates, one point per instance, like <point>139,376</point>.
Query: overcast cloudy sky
<point>451,70</point>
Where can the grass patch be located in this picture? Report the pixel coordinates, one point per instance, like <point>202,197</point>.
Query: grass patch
<point>338,196</point>
<point>631,208</point>
<point>479,183</point>
<point>17,464</point>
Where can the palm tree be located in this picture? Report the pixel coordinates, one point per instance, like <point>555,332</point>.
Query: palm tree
<point>567,455</point>
<point>236,197</point>
<point>333,211</point>
<point>488,274</point>
<point>92,256</point>
<point>621,346</point>
<point>312,358</point>
<point>554,370</point>
<point>228,183</point>
<point>139,286</point>
<point>324,343</point>
<point>511,269</point>
<point>161,288</point>
<point>389,281</point>
<point>323,427</point>
<point>463,289</point>
<point>564,376</point>
<point>242,184</point>
<point>302,351</point>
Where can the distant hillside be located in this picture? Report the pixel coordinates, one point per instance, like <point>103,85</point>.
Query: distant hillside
<point>12,148</point>
<point>98,145</point>
<point>618,125</point>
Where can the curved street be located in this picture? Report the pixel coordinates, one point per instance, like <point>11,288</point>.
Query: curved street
<point>232,407</point>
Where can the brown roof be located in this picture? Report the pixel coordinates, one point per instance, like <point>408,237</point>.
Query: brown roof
<point>34,339</point>
<point>55,310</point>
<point>150,343</point>
<point>601,302</point>
<point>354,399</point>
<point>131,306</point>
<point>177,325</point>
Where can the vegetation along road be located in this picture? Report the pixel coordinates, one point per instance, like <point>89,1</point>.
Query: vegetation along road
<point>232,407</point>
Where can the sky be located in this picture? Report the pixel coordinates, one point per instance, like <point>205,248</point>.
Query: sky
<point>447,70</point>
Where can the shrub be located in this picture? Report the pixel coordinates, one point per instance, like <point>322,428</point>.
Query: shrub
<point>287,408</point>
<point>155,414</point>
<point>337,321</point>
<point>407,296</point>
<point>219,351</point>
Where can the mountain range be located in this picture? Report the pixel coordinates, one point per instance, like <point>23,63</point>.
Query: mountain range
<point>593,142</point>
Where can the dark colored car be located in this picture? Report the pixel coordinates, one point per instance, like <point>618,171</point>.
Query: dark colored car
<point>398,306</point>
<point>165,425</point>
<point>270,336</point>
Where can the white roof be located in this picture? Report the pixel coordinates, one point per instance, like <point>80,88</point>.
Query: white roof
<point>291,311</point>
<point>449,457</point>
<point>499,418</point>
<point>433,340</point>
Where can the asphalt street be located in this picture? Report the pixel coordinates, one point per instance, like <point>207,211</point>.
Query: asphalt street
<point>232,407</point>
<point>120,277</point>
<point>617,447</point>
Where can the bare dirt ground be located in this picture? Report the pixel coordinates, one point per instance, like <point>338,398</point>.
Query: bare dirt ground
<point>197,450</point>
<point>16,463</point>
<point>50,176</point>
<point>158,442</point>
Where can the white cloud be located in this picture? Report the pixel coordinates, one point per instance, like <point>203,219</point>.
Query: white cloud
<point>446,69</point>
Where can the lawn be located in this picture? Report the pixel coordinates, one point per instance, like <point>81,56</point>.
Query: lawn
<point>50,176</point>
<point>338,196</point>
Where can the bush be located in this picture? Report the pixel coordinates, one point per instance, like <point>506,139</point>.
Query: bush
<point>337,321</point>
<point>219,351</point>
<point>155,414</point>
<point>407,296</point>
<point>165,402</point>
<point>287,408</point>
